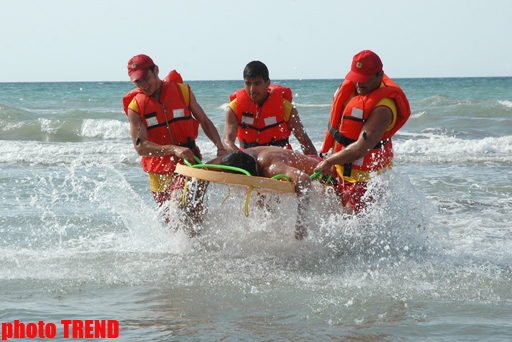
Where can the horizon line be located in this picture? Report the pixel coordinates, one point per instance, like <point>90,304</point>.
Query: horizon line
<point>276,79</point>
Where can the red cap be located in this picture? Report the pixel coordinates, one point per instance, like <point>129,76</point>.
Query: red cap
<point>138,67</point>
<point>364,66</point>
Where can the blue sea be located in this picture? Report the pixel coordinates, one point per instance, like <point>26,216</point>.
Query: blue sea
<point>81,237</point>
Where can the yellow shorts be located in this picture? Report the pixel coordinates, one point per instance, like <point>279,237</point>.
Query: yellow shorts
<point>160,183</point>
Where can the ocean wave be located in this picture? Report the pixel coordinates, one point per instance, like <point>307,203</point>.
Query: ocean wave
<point>37,153</point>
<point>418,115</point>
<point>460,106</point>
<point>100,152</point>
<point>105,129</point>
<point>223,106</point>
<point>436,100</point>
<point>507,104</point>
<point>9,113</point>
<point>67,129</point>
<point>455,150</point>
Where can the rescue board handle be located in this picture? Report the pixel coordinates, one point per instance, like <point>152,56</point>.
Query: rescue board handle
<point>224,167</point>
<point>282,176</point>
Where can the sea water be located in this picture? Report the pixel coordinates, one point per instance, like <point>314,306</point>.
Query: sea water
<point>81,237</point>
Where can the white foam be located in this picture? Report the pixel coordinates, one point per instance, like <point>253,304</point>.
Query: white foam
<point>32,152</point>
<point>507,104</point>
<point>452,149</point>
<point>419,115</point>
<point>105,129</point>
<point>223,106</point>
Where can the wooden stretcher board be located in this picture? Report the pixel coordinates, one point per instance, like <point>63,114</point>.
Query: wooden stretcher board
<point>237,179</point>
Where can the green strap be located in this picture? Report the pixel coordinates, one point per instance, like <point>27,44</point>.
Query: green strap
<point>189,164</point>
<point>225,167</point>
<point>314,175</point>
<point>282,176</point>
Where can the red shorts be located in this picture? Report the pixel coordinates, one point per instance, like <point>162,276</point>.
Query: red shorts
<point>352,194</point>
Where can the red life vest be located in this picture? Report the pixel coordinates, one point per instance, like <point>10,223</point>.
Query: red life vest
<point>349,113</point>
<point>262,126</point>
<point>170,113</point>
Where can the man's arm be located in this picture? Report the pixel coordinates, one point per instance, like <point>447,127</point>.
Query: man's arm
<point>373,129</point>
<point>230,130</point>
<point>206,124</point>
<point>297,128</point>
<point>148,148</point>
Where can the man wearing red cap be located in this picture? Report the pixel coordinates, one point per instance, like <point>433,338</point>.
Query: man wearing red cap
<point>164,119</point>
<point>367,110</point>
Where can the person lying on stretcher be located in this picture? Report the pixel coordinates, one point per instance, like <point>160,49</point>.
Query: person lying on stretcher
<point>269,161</point>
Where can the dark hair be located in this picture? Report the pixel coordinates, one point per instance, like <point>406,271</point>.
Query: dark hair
<point>241,160</point>
<point>256,69</point>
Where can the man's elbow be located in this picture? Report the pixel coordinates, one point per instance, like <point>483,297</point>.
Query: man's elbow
<point>138,146</point>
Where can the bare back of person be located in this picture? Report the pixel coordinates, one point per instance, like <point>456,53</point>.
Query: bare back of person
<point>273,160</point>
